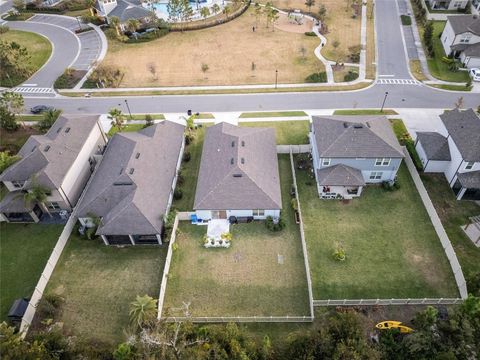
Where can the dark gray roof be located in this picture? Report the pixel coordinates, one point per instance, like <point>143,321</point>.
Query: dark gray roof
<point>131,9</point>
<point>238,170</point>
<point>470,180</point>
<point>13,202</point>
<point>435,146</point>
<point>464,128</point>
<point>473,50</point>
<point>465,23</point>
<point>340,175</point>
<point>355,136</point>
<point>50,156</point>
<point>132,185</point>
<point>18,308</point>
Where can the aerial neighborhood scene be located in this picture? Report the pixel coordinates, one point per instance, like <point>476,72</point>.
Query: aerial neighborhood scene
<point>240,179</point>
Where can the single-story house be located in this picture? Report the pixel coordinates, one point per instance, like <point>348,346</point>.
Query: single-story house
<point>352,151</point>
<point>132,190</point>
<point>461,38</point>
<point>124,10</point>
<point>455,151</point>
<point>238,174</point>
<point>61,162</point>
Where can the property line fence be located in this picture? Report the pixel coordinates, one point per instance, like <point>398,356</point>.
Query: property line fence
<point>386,302</point>
<point>302,236</point>
<point>242,319</point>
<point>437,224</point>
<point>294,149</point>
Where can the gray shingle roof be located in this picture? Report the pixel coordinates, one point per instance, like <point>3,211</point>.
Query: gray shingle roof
<point>435,146</point>
<point>340,175</point>
<point>464,128</point>
<point>13,202</point>
<point>355,136</point>
<point>131,187</point>
<point>473,50</point>
<point>465,23</point>
<point>470,180</point>
<point>50,156</point>
<point>238,170</point>
<point>126,10</point>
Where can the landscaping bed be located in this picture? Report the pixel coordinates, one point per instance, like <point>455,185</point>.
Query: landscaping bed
<point>245,279</point>
<point>392,250</point>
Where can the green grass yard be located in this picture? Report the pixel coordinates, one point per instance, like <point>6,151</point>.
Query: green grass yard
<point>287,132</point>
<point>24,251</point>
<point>262,114</point>
<point>98,283</point>
<point>365,112</point>
<point>245,279</point>
<point>126,128</point>
<point>391,246</point>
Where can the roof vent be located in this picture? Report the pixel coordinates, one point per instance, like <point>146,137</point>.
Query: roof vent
<point>231,161</point>
<point>243,161</point>
<point>59,129</point>
<point>46,148</point>
<point>243,143</point>
<point>345,125</point>
<point>131,171</point>
<point>67,130</point>
<point>121,170</point>
<point>33,149</point>
<point>122,183</point>
<point>237,175</point>
<point>233,143</point>
<point>368,124</point>
<point>358,126</point>
<point>137,155</point>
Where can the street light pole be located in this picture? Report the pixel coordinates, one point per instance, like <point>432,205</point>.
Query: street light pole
<point>79,25</point>
<point>128,107</point>
<point>384,99</point>
<point>276,78</point>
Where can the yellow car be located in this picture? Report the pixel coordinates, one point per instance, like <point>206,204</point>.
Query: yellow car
<point>384,325</point>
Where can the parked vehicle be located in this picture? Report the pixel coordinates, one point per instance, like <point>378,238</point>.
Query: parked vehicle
<point>475,74</point>
<point>41,108</point>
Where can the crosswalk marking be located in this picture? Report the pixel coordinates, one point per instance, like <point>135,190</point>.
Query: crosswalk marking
<point>33,90</point>
<point>398,82</point>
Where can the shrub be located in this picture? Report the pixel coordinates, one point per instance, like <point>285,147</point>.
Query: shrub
<point>180,179</point>
<point>310,33</point>
<point>49,305</point>
<point>187,156</point>
<point>4,29</point>
<point>339,253</point>
<point>188,139</point>
<point>68,79</point>
<point>320,77</point>
<point>390,186</point>
<point>178,194</point>
<point>148,36</point>
<point>272,226</point>
<point>350,76</point>
<point>406,20</point>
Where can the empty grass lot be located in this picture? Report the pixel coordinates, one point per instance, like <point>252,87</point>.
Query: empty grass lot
<point>391,246</point>
<point>14,140</point>
<point>287,132</point>
<point>98,283</point>
<point>24,251</point>
<point>454,214</point>
<point>228,50</point>
<point>245,279</point>
<point>39,48</point>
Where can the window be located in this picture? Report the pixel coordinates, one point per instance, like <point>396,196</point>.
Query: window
<point>53,206</point>
<point>382,162</point>
<point>18,184</point>
<point>469,165</point>
<point>258,212</point>
<point>376,175</point>
<point>326,162</point>
<point>466,38</point>
<point>457,4</point>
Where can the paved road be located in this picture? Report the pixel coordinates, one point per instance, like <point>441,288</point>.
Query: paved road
<point>5,6</point>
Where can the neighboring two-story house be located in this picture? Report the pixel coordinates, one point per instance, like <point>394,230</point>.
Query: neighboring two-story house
<point>448,4</point>
<point>352,151</point>
<point>455,151</point>
<point>61,162</point>
<point>461,38</point>
<point>132,190</point>
<point>238,174</point>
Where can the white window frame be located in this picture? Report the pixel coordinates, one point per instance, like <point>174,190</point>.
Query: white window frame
<point>54,205</point>
<point>469,165</point>
<point>376,175</point>
<point>18,184</point>
<point>465,39</point>
<point>258,212</point>
<point>326,161</point>
<point>382,161</point>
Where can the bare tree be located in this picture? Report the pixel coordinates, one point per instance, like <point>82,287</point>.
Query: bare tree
<point>152,68</point>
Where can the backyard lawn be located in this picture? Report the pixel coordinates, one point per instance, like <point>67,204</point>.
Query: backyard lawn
<point>232,52</point>
<point>39,48</point>
<point>287,132</point>
<point>24,251</point>
<point>245,279</point>
<point>391,247</point>
<point>98,283</point>
<point>453,214</point>
<point>14,140</point>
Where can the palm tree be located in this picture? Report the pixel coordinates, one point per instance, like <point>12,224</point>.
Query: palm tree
<point>133,25</point>
<point>205,12</point>
<point>115,22</point>
<point>143,310</point>
<point>37,194</point>
<point>117,118</point>
<point>215,8</point>
<point>226,11</point>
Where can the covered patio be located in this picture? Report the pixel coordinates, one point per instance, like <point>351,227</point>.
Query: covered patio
<point>467,186</point>
<point>339,182</point>
<point>14,209</point>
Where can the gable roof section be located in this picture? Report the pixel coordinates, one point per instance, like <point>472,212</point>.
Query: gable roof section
<point>340,175</point>
<point>435,146</point>
<point>470,180</point>
<point>464,128</point>
<point>132,185</point>
<point>126,10</point>
<point>355,137</point>
<point>464,23</point>
<point>238,170</point>
<point>50,156</point>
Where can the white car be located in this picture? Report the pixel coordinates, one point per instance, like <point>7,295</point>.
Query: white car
<point>475,74</point>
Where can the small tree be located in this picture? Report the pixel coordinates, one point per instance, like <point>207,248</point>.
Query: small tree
<point>7,119</point>
<point>49,118</point>
<point>37,195</point>
<point>322,12</point>
<point>148,120</point>
<point>152,68</point>
<point>205,12</point>
<point>133,25</point>
<point>204,68</point>
<point>226,11</point>
<point>6,160</point>
<point>143,311</point>
<point>117,118</point>
<point>303,51</point>
<point>309,4</point>
<point>115,22</point>
<point>215,8</point>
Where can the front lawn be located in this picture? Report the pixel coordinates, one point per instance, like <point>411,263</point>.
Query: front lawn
<point>38,47</point>
<point>391,247</point>
<point>98,283</point>
<point>287,132</point>
<point>245,279</point>
<point>24,251</point>
<point>126,128</point>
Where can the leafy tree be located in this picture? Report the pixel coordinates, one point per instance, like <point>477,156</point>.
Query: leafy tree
<point>174,9</point>
<point>186,11</point>
<point>7,119</point>
<point>205,12</point>
<point>309,4</point>
<point>322,12</point>
<point>15,60</point>
<point>124,351</point>
<point>148,120</point>
<point>37,195</point>
<point>19,5</point>
<point>115,22</point>
<point>12,347</point>
<point>49,118</point>
<point>117,118</point>
<point>133,25</point>
<point>143,311</point>
<point>226,11</point>
<point>12,101</point>
<point>428,38</point>
<point>272,17</point>
<point>6,160</point>
<point>215,8</point>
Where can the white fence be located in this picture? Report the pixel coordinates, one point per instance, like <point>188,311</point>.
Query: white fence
<point>242,319</point>
<point>372,302</point>
<point>437,224</point>
<point>302,236</point>
<point>295,149</point>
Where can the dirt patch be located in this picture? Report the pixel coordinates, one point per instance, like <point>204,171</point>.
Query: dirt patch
<point>294,24</point>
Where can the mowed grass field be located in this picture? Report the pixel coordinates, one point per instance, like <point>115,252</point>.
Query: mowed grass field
<point>24,251</point>
<point>39,48</point>
<point>286,132</point>
<point>245,279</point>
<point>230,51</point>
<point>391,247</point>
<point>99,282</point>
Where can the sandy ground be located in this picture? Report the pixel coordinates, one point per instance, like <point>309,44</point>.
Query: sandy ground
<point>285,24</point>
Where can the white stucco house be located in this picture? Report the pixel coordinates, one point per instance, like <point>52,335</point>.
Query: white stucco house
<point>61,162</point>
<point>350,152</point>
<point>447,4</point>
<point>238,177</point>
<point>455,151</point>
<point>461,38</point>
<point>124,10</point>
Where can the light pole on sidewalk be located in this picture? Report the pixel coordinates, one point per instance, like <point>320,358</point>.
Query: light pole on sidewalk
<point>128,107</point>
<point>384,99</point>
